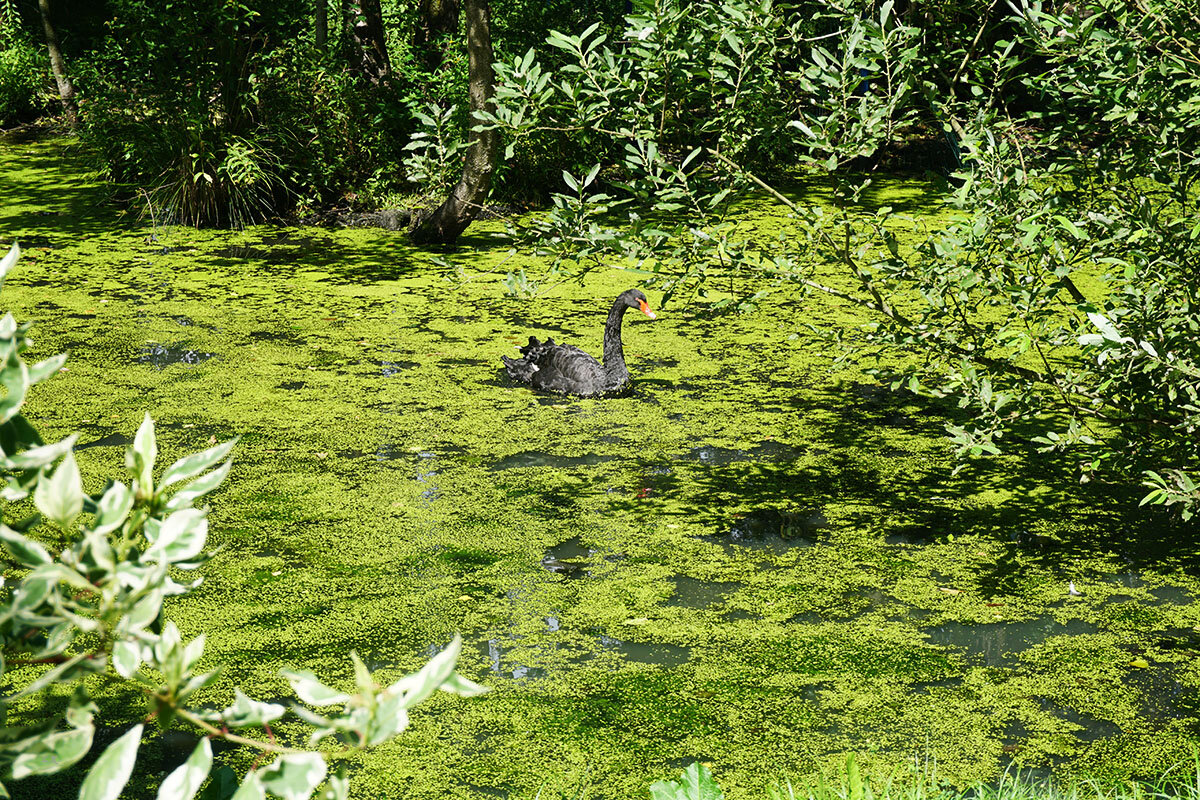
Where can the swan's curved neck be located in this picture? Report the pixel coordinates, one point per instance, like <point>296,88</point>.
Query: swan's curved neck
<point>614,354</point>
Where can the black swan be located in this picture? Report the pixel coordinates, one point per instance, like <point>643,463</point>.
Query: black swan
<point>566,369</point>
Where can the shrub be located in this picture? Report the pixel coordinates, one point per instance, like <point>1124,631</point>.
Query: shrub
<point>23,82</point>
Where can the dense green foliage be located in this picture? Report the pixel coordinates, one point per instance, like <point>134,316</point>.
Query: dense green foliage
<point>1059,303</point>
<point>22,83</point>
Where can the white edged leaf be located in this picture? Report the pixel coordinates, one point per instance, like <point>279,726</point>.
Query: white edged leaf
<point>111,771</point>
<point>185,780</point>
<point>181,536</point>
<point>294,776</point>
<point>60,498</point>
<point>245,711</point>
<point>193,465</point>
<point>309,689</point>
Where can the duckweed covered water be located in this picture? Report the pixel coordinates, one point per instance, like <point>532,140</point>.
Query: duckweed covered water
<point>758,558</point>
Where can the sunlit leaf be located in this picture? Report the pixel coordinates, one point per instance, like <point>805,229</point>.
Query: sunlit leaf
<point>294,776</point>
<point>111,771</point>
<point>185,780</point>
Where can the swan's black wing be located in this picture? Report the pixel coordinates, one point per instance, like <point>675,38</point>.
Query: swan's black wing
<point>554,367</point>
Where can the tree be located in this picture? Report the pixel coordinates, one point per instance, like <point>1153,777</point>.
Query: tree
<point>66,88</point>
<point>466,200</point>
<point>365,19</point>
<point>320,23</point>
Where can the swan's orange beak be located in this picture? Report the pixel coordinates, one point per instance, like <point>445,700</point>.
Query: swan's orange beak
<point>645,309</point>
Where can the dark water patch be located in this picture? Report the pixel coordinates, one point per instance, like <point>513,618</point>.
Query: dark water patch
<point>111,440</point>
<point>493,652</point>
<point>1171,595</point>
<point>695,593</point>
<point>36,241</point>
<point>391,368</point>
<point>80,315</point>
<point>292,386</point>
<point>763,451</point>
<point>1163,696</point>
<point>570,558</point>
<point>993,644</point>
<point>775,530</point>
<point>1090,728</point>
<point>161,356</point>
<point>665,655</point>
<point>738,614</point>
<point>534,458</point>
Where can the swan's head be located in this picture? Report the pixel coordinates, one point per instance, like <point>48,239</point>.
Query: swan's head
<point>635,299</point>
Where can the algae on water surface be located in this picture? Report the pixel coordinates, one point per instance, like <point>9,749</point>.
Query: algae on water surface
<point>759,558</point>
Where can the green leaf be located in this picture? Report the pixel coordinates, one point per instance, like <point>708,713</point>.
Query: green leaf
<point>127,657</point>
<point>695,783</point>
<point>8,261</point>
<point>463,687</point>
<point>198,488</point>
<point>140,456</point>
<point>44,369</point>
<point>112,770</point>
<point>246,711</point>
<point>222,786</point>
<point>193,465</point>
<point>113,508</point>
<point>294,776</point>
<point>37,457</point>
<point>60,499</point>
<point>338,787</point>
<point>180,537</point>
<point>312,691</point>
<point>26,551</point>
<point>73,669</point>
<point>184,782</point>
<point>57,751</point>
<point>437,674</point>
<point>251,789</point>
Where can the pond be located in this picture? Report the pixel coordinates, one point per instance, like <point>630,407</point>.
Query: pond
<point>758,558</point>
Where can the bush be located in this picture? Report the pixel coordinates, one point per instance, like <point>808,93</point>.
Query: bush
<point>23,82</point>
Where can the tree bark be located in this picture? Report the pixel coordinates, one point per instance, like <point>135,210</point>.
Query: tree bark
<point>321,23</point>
<point>66,89</point>
<point>445,224</point>
<point>365,18</point>
<point>439,22</point>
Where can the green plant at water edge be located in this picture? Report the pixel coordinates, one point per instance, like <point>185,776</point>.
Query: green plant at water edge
<point>695,783</point>
<point>92,612</point>
<point>23,81</point>
<point>434,161</point>
<point>1058,303</point>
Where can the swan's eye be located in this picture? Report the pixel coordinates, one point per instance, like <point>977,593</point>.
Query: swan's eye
<point>645,309</point>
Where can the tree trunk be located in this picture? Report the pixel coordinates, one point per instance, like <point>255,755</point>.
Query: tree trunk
<point>439,22</point>
<point>321,23</point>
<point>464,203</point>
<point>365,18</point>
<point>66,89</point>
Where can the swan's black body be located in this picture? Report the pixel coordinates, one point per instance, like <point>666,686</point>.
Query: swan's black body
<point>565,369</point>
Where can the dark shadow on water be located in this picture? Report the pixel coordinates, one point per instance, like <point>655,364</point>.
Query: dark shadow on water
<point>996,644</point>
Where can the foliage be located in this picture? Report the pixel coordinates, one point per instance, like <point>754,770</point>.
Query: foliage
<point>94,610</point>
<point>434,162</point>
<point>695,783</point>
<point>992,300</point>
<point>221,113</point>
<point>23,79</point>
